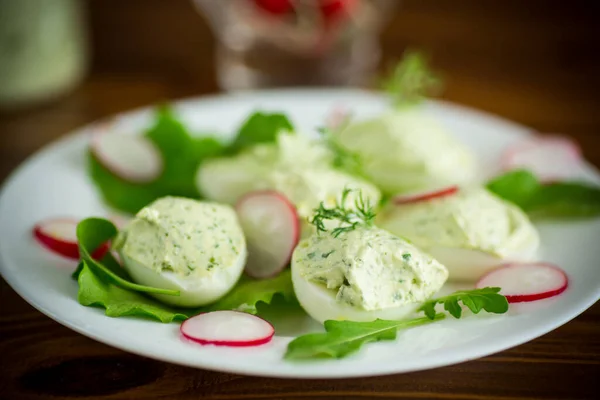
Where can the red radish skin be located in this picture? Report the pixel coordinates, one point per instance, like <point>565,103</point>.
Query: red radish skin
<point>272,228</point>
<point>227,328</point>
<point>58,235</point>
<point>526,282</point>
<point>550,157</point>
<point>425,196</point>
<point>275,7</point>
<point>331,9</point>
<point>338,117</point>
<point>132,158</point>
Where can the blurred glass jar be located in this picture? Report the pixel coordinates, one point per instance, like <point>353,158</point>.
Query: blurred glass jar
<point>270,43</point>
<point>43,50</point>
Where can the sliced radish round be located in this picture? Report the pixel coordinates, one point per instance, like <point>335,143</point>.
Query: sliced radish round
<point>338,118</point>
<point>549,157</point>
<point>133,158</point>
<point>526,282</point>
<point>425,196</point>
<point>272,229</point>
<point>59,236</point>
<point>227,328</point>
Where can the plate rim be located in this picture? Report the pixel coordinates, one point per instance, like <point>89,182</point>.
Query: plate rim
<point>385,369</point>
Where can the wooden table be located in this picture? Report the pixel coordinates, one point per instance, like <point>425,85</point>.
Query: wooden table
<point>536,62</point>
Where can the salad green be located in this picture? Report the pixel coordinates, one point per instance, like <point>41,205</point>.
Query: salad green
<point>106,284</point>
<point>343,338</point>
<point>182,153</point>
<point>488,299</point>
<point>566,199</point>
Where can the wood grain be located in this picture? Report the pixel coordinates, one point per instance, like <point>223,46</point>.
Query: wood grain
<point>535,62</point>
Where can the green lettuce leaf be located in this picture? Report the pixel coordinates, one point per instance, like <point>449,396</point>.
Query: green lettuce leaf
<point>343,338</point>
<point>259,128</point>
<point>547,200</point>
<point>106,284</point>
<point>91,233</point>
<point>182,154</point>
<point>96,291</point>
<point>248,293</point>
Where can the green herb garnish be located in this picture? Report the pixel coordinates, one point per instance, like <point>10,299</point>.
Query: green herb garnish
<point>547,200</point>
<point>346,337</point>
<point>349,218</point>
<point>343,158</point>
<point>411,80</point>
<point>487,299</point>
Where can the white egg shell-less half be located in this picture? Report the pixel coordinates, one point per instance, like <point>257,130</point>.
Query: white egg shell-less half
<point>467,259</point>
<point>321,304</point>
<point>176,243</point>
<point>468,265</point>
<point>194,291</point>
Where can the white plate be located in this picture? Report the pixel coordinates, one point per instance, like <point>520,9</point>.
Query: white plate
<point>54,183</point>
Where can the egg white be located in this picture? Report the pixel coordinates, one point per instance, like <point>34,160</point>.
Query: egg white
<point>468,265</point>
<point>321,304</point>
<point>194,291</point>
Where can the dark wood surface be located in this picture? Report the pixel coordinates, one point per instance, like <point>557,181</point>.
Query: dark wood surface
<point>536,62</point>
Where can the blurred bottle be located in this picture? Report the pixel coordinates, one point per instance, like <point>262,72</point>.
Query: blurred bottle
<point>42,50</point>
<point>270,43</point>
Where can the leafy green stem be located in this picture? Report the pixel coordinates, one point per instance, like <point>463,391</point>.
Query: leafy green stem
<point>345,337</point>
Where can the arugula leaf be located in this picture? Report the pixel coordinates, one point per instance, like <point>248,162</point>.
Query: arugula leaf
<point>249,292</point>
<point>411,80</point>
<point>91,233</point>
<point>487,299</point>
<point>346,337</point>
<point>96,291</point>
<point>547,200</point>
<point>182,154</point>
<point>260,128</point>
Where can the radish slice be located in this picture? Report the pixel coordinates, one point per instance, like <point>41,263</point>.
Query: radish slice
<point>338,118</point>
<point>59,236</point>
<point>424,196</point>
<point>130,157</point>
<point>526,282</point>
<point>549,157</point>
<point>227,328</point>
<point>272,229</point>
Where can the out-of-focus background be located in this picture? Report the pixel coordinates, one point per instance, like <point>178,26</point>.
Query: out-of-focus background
<point>534,61</point>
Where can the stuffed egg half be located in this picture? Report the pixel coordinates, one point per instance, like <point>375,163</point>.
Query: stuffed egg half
<point>362,275</point>
<point>296,166</point>
<point>176,243</point>
<point>470,231</point>
<point>407,150</point>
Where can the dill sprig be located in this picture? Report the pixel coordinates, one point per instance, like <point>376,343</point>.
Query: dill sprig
<point>349,219</point>
<point>411,80</point>
<point>343,158</point>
